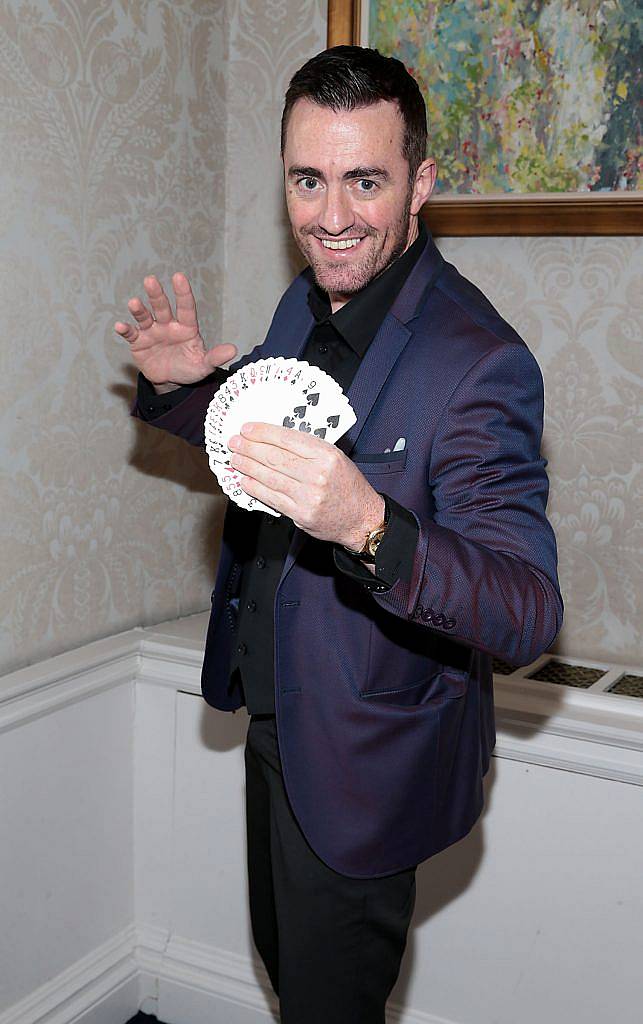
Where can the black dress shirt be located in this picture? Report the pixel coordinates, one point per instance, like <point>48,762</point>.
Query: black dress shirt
<point>337,343</point>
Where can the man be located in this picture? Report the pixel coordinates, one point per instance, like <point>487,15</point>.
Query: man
<point>358,628</point>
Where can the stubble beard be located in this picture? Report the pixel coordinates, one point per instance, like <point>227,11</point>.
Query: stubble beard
<point>350,279</point>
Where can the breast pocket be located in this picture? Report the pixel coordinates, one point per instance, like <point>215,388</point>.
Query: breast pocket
<point>380,462</point>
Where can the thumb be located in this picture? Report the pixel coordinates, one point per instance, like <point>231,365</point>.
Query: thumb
<point>220,354</point>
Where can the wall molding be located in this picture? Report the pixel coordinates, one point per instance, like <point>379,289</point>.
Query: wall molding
<point>36,690</point>
<point>589,731</point>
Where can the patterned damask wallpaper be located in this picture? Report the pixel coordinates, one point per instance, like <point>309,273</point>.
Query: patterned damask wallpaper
<point>113,166</point>
<point>142,137</point>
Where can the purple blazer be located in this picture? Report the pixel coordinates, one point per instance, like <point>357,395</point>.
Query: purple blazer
<point>384,700</point>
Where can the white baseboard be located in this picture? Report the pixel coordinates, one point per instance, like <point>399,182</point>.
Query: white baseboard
<point>202,985</point>
<point>178,980</point>
<point>101,988</point>
<point>198,983</point>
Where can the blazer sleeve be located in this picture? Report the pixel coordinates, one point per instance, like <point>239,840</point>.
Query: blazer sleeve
<point>485,565</point>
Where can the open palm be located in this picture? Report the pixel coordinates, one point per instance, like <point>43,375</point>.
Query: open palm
<point>169,349</point>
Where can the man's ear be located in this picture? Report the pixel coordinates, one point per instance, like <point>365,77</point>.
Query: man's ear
<point>427,172</point>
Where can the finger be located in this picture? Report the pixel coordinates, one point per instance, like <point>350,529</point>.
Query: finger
<point>185,304</point>
<point>276,499</point>
<point>298,441</point>
<point>297,465</point>
<point>141,313</point>
<point>126,331</point>
<point>158,300</point>
<point>271,468</point>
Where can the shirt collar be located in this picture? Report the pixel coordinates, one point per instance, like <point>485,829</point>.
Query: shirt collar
<point>359,319</point>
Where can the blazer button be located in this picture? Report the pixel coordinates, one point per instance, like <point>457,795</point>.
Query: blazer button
<point>251,606</point>
<point>242,648</point>
<point>261,561</point>
<point>322,348</point>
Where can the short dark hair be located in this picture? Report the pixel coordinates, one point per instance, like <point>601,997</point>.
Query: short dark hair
<point>345,77</point>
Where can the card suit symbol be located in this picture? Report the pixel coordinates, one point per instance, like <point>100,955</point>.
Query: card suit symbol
<point>320,432</point>
<point>332,421</point>
<point>305,427</point>
<point>300,410</point>
<point>313,399</point>
<point>288,421</point>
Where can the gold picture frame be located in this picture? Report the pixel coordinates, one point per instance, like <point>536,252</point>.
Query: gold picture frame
<point>539,213</point>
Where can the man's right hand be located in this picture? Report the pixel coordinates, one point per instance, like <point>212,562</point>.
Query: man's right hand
<point>169,350</point>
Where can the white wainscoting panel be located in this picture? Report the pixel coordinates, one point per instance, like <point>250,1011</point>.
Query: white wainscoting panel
<point>67,832</point>
<point>122,854</point>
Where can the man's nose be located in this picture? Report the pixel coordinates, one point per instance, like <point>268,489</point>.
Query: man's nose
<point>336,214</point>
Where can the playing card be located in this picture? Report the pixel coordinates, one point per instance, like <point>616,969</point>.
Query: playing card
<point>297,396</point>
<point>287,392</point>
<point>228,478</point>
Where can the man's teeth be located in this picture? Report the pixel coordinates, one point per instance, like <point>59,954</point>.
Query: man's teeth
<point>344,243</point>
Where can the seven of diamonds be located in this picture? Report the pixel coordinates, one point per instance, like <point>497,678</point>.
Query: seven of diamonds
<point>228,478</point>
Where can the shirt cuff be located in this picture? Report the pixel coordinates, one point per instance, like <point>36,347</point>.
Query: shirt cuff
<point>394,556</point>
<point>151,404</point>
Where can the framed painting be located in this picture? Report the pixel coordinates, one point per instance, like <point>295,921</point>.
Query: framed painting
<point>533,108</point>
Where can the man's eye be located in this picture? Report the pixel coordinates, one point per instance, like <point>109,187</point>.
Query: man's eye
<point>308,184</point>
<point>367,185</point>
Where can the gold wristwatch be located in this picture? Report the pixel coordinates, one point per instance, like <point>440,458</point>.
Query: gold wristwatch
<point>373,538</point>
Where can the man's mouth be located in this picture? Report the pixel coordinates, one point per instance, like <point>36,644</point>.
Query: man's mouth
<point>340,243</point>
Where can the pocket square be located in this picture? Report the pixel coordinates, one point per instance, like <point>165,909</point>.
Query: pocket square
<point>399,446</point>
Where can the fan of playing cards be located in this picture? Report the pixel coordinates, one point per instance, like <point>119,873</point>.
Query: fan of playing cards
<point>287,392</point>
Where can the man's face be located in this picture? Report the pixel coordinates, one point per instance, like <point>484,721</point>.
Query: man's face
<point>347,191</point>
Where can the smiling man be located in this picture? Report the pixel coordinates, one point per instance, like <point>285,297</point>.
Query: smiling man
<point>350,189</point>
<point>358,628</point>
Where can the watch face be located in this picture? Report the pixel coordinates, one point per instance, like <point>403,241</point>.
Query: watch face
<point>373,543</point>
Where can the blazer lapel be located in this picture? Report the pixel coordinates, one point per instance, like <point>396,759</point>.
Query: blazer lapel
<point>372,372</point>
<point>390,341</point>
<point>379,359</point>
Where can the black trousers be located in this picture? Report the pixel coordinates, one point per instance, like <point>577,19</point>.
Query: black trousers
<point>332,945</point>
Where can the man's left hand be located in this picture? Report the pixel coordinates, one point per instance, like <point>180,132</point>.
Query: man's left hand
<point>308,479</point>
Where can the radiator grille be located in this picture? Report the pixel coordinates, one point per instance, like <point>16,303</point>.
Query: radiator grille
<point>629,686</point>
<point>564,674</point>
<point>502,668</point>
